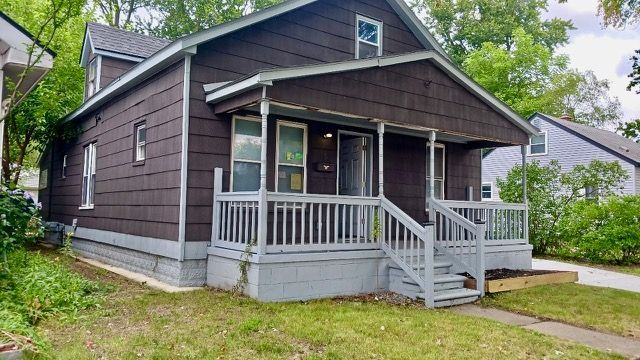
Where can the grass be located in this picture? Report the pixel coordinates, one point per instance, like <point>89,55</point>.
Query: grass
<point>627,269</point>
<point>137,322</point>
<point>609,310</point>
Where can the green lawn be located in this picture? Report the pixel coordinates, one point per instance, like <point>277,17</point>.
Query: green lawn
<point>627,269</point>
<point>610,310</point>
<point>136,322</point>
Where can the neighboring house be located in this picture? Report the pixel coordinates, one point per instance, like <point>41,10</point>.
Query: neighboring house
<point>299,133</point>
<point>569,143</point>
<point>30,182</point>
<point>15,42</point>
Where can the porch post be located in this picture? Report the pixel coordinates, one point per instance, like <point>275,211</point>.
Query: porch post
<point>263,205</point>
<point>525,225</point>
<point>381,159</point>
<point>432,157</point>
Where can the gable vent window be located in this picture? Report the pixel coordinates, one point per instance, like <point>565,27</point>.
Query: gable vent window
<point>141,142</point>
<point>368,37</point>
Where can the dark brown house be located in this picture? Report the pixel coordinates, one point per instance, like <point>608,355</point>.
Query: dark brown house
<point>320,136</point>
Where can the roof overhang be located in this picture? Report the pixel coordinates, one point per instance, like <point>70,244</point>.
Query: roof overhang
<point>221,91</point>
<point>88,48</point>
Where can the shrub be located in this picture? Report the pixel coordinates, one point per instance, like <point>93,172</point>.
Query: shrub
<point>604,232</point>
<point>20,221</point>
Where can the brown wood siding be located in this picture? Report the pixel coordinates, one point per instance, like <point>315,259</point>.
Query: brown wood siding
<point>463,169</point>
<point>320,32</point>
<point>140,200</point>
<point>113,68</point>
<point>414,93</point>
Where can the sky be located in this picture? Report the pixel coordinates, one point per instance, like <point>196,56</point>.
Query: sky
<point>605,51</point>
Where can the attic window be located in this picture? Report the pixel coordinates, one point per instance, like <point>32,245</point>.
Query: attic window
<point>368,37</point>
<point>92,77</point>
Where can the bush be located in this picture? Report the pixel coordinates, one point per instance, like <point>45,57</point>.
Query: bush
<point>20,221</point>
<point>603,232</point>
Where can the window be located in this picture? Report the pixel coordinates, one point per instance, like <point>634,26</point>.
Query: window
<point>246,150</point>
<point>538,144</point>
<point>92,77</point>
<point>439,171</point>
<point>141,142</point>
<point>291,157</point>
<point>487,191</point>
<point>368,37</point>
<point>64,167</point>
<point>89,176</point>
<point>591,192</point>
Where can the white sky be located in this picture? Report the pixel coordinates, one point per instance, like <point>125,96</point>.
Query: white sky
<point>605,51</point>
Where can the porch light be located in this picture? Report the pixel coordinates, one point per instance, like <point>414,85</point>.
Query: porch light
<point>327,135</point>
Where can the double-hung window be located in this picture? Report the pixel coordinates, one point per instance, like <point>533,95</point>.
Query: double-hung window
<point>438,171</point>
<point>291,157</point>
<point>246,150</point>
<point>141,141</point>
<point>89,175</point>
<point>368,37</point>
<point>487,191</point>
<point>92,77</point>
<point>538,144</point>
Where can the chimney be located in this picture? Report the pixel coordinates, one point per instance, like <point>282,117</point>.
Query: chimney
<point>566,117</point>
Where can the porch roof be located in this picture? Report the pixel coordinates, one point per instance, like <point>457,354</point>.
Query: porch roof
<point>218,92</point>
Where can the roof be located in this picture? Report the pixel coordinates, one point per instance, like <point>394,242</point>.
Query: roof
<point>25,32</point>
<point>609,141</point>
<point>219,91</point>
<point>112,41</point>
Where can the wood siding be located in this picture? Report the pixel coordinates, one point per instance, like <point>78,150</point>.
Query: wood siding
<point>113,68</point>
<point>323,31</point>
<point>139,199</point>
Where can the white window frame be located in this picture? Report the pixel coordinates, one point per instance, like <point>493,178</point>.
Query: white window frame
<point>140,145</point>
<point>546,144</point>
<point>88,171</point>
<point>490,184</point>
<point>233,141</point>
<point>369,20</point>
<point>444,168</point>
<point>63,172</point>
<point>92,86</point>
<point>304,149</point>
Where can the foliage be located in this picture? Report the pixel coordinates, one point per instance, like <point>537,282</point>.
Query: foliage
<point>35,121</point>
<point>605,232</point>
<point>618,13</point>
<point>35,288</point>
<point>243,267</point>
<point>122,14</point>
<point>464,26</point>
<point>630,130</point>
<point>67,244</point>
<point>635,72</point>
<point>20,221</point>
<point>550,193</point>
<point>520,76</point>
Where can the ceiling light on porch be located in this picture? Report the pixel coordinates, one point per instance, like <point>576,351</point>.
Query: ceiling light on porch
<point>327,135</point>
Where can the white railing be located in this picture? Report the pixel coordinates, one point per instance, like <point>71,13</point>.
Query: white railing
<point>460,240</point>
<point>506,223</point>
<point>409,244</point>
<point>305,222</point>
<point>237,215</point>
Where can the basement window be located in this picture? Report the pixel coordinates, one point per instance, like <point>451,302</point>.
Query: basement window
<point>368,37</point>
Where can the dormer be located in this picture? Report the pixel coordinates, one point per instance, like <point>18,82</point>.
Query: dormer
<point>107,53</point>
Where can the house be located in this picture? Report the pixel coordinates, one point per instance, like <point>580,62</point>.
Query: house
<point>568,142</point>
<point>15,42</point>
<point>310,135</point>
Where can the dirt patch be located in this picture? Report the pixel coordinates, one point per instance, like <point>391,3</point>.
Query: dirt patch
<point>385,296</point>
<point>498,274</point>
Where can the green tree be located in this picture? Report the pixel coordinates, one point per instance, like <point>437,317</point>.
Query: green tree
<point>550,193</point>
<point>464,26</point>
<point>630,130</point>
<point>520,76</point>
<point>35,121</point>
<point>619,13</point>
<point>122,14</point>
<point>635,73</point>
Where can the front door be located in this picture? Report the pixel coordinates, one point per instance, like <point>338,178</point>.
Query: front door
<point>353,180</point>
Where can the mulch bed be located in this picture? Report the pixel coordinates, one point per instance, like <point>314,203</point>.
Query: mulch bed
<point>498,274</point>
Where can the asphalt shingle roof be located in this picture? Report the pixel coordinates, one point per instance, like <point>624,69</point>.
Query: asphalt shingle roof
<point>107,38</point>
<point>613,142</point>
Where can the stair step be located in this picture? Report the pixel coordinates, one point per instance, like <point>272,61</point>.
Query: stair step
<point>439,279</point>
<point>455,294</point>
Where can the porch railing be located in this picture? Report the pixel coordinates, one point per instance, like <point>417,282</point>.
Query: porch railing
<point>237,219</point>
<point>506,223</point>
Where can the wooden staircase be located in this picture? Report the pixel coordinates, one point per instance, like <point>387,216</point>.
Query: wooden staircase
<point>448,287</point>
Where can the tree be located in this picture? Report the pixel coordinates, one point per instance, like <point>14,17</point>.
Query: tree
<point>630,130</point>
<point>58,25</point>
<point>618,13</point>
<point>550,193</point>
<point>120,13</point>
<point>519,76</point>
<point>582,96</point>
<point>635,73</point>
<point>463,26</point>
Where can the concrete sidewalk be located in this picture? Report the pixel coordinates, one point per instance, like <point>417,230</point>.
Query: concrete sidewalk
<point>592,276</point>
<point>602,341</point>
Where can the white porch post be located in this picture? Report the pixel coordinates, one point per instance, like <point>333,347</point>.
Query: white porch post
<point>1,120</point>
<point>432,157</point>
<point>525,225</point>
<point>381,159</point>
<point>263,205</point>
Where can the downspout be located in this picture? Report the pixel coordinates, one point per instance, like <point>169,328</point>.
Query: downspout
<point>182,225</point>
